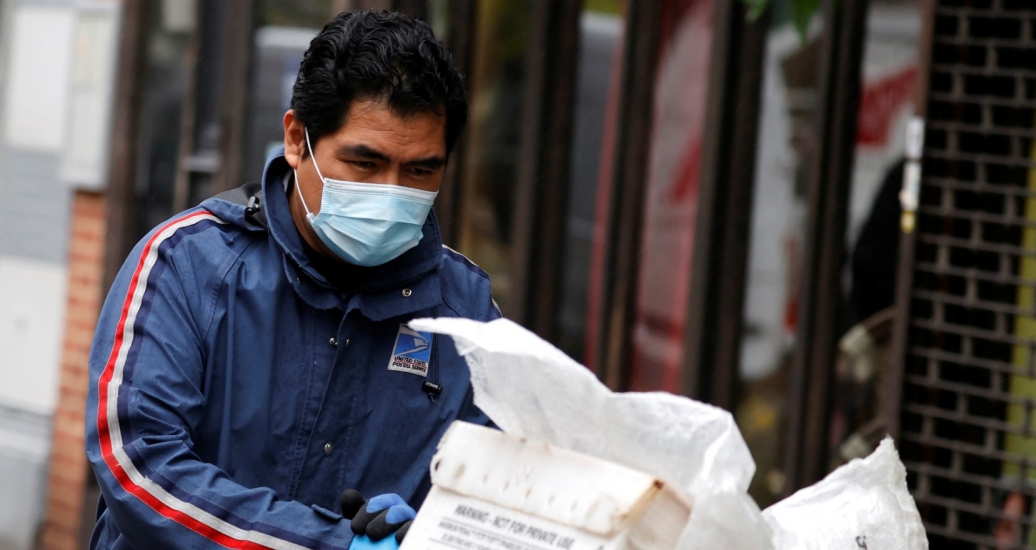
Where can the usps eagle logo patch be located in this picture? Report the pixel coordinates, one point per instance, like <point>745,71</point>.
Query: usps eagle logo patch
<point>412,352</point>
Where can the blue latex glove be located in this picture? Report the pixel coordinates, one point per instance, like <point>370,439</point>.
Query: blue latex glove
<point>365,543</point>
<point>379,517</point>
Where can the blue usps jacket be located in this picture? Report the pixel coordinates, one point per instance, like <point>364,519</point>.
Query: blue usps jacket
<point>235,393</point>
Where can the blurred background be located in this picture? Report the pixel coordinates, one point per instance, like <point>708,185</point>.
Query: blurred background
<point>694,196</point>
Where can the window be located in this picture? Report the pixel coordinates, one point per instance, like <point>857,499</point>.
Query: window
<point>678,116</point>
<point>491,159</point>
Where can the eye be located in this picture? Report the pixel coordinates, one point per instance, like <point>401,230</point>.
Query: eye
<point>363,164</point>
<point>420,172</point>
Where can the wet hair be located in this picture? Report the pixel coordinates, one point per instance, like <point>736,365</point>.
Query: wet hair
<point>381,56</point>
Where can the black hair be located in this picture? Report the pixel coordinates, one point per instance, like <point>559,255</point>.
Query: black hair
<point>385,56</point>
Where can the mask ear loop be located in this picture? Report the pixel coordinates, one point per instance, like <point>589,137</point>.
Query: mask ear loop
<point>309,147</point>
<point>309,215</point>
<point>314,157</point>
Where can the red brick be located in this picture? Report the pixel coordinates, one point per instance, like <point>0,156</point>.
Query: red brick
<point>69,472</point>
<point>70,418</point>
<point>73,415</point>
<point>89,304</point>
<point>90,210</point>
<point>85,204</point>
<point>81,327</point>
<point>69,478</point>
<point>90,219</point>
<point>81,269</point>
<point>80,337</point>
<point>75,363</point>
<point>68,428</point>
<point>74,377</point>
<point>85,254</point>
<point>65,515</point>
<point>73,383</point>
<point>79,372</point>
<point>80,317</point>
<point>68,465</point>
<point>70,458</point>
<point>84,258</point>
<point>58,538</point>
<point>76,355</point>
<point>72,405</point>
<point>86,232</point>
<point>84,283</point>
<point>59,525</point>
<point>75,423</point>
<point>65,500</point>
<point>77,347</point>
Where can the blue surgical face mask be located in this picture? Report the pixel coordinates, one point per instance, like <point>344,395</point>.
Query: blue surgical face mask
<point>367,224</point>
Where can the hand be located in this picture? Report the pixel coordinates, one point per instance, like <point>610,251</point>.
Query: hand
<point>378,518</point>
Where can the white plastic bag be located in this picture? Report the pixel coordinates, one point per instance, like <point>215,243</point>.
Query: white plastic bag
<point>863,504</point>
<point>530,388</point>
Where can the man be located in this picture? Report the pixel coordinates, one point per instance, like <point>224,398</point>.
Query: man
<point>252,359</point>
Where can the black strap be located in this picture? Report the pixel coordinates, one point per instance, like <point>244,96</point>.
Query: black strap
<point>249,195</point>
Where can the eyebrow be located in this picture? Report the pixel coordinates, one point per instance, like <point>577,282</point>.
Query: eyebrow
<point>430,163</point>
<point>364,151</point>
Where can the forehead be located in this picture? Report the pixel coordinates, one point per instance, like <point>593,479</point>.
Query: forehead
<point>374,123</point>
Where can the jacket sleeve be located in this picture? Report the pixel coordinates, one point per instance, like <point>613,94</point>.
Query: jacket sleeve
<point>145,402</point>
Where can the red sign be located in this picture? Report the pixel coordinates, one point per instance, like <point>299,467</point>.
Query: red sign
<point>881,102</point>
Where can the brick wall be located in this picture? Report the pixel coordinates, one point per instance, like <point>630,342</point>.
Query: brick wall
<point>968,383</point>
<point>69,472</point>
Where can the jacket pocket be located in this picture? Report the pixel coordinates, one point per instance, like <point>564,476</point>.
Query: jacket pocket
<point>327,514</point>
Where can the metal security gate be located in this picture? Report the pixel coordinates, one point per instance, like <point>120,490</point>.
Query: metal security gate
<point>966,423</point>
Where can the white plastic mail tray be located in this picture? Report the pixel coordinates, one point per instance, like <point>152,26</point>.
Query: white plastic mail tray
<point>493,491</point>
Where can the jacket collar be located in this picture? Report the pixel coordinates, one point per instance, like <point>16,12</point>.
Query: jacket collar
<point>405,285</point>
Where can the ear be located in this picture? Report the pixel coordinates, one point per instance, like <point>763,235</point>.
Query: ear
<point>294,139</point>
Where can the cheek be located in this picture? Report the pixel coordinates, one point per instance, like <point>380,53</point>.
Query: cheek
<point>435,185</point>
<point>312,188</point>
<point>313,197</point>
